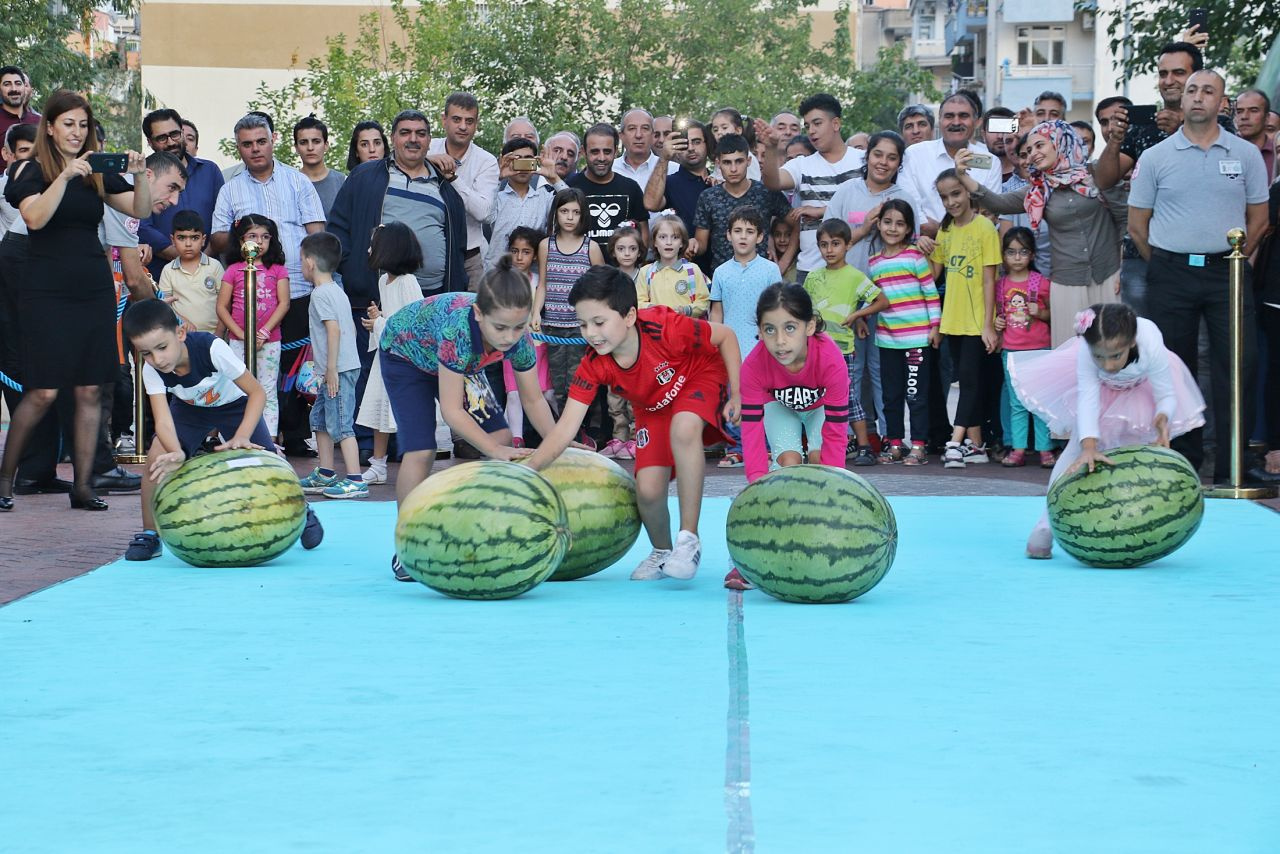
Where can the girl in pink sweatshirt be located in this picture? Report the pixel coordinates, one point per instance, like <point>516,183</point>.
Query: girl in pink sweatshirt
<point>795,390</point>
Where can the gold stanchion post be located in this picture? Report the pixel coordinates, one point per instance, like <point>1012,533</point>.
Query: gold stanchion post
<point>250,251</point>
<point>1236,488</point>
<point>139,455</point>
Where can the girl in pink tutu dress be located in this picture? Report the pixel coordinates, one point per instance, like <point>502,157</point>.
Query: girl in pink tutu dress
<point>1112,384</point>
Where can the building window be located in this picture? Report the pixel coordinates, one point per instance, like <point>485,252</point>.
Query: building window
<point>926,27</point>
<point>1041,45</point>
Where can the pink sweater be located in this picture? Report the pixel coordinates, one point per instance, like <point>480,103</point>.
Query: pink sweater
<point>823,381</point>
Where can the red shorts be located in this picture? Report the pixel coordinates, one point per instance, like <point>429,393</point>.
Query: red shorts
<point>704,397</point>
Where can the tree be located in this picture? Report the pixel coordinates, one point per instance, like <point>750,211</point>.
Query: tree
<point>1244,28</point>
<point>572,63</point>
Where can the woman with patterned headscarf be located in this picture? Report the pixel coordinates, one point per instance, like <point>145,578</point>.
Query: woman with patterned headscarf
<point>1085,224</point>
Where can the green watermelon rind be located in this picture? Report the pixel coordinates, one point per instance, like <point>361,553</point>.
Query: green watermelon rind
<point>1161,511</point>
<point>604,531</point>
<point>201,516</point>
<point>462,531</point>
<point>814,539</point>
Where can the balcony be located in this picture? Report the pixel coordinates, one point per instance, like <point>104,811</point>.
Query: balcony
<point>964,18</point>
<point>1038,11</point>
<point>1019,85</point>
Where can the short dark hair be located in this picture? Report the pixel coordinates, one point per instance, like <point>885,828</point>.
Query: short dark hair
<point>12,69</point>
<point>324,249</point>
<point>187,220</point>
<point>310,122</point>
<point>162,115</point>
<point>822,101</point>
<point>410,116</point>
<point>395,250</point>
<point>749,214</point>
<point>1107,103</point>
<point>1266,101</point>
<point>529,235</point>
<point>463,101</point>
<point>146,316</point>
<point>504,287</point>
<point>1083,125</point>
<point>518,143</point>
<point>605,284</point>
<point>20,133</point>
<point>1048,95</point>
<point>1197,58</point>
<point>602,129</point>
<point>916,110</point>
<point>732,143</point>
<point>160,162</point>
<point>1000,112</point>
<point>187,123</point>
<point>964,95</point>
<point>836,228</point>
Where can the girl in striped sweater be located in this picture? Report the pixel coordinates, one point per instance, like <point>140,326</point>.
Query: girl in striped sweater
<point>903,330</point>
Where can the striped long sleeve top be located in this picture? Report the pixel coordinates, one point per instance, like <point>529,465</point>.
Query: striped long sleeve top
<point>914,308</point>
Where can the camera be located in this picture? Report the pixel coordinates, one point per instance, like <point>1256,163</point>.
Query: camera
<point>525,164</point>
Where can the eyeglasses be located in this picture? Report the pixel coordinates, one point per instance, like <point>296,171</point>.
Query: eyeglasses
<point>1018,253</point>
<point>171,136</point>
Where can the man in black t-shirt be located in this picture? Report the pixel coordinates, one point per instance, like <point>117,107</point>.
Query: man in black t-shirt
<point>611,198</point>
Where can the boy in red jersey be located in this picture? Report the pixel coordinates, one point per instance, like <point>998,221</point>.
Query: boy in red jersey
<point>681,376</point>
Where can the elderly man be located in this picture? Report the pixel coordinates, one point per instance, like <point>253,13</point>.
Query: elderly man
<point>564,148</point>
<point>925,160</point>
<point>475,175</point>
<point>1187,192</point>
<point>520,128</point>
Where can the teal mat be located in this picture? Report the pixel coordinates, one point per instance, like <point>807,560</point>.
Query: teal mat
<point>974,701</point>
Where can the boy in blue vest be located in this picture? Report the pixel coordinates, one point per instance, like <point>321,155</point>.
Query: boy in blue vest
<point>211,390</point>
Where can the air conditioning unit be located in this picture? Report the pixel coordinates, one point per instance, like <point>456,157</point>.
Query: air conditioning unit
<point>1086,21</point>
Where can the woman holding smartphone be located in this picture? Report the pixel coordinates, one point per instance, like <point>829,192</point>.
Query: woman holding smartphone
<point>67,297</point>
<point>1085,224</point>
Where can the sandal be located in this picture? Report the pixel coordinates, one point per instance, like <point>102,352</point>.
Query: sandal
<point>917,457</point>
<point>890,454</point>
<point>731,460</point>
<point>1047,460</point>
<point>735,581</point>
<point>1014,458</point>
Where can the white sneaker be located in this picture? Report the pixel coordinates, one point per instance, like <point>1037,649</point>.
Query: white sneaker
<point>974,453</point>
<point>650,569</point>
<point>377,471</point>
<point>953,457</point>
<point>683,563</point>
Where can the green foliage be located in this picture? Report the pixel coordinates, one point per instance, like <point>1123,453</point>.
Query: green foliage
<point>1239,31</point>
<point>571,63</point>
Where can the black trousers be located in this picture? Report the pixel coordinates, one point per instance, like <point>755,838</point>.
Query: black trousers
<point>968,354</point>
<point>1271,391</point>
<point>905,381</point>
<point>1178,297</point>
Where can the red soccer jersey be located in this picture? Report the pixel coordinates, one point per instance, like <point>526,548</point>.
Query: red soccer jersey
<point>675,350</point>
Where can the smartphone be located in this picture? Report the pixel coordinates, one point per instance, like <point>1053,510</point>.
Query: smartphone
<point>103,161</point>
<point>526,164</point>
<point>1000,124</point>
<point>979,161</point>
<point>1142,114</point>
<point>680,128</point>
<point>1199,18</point>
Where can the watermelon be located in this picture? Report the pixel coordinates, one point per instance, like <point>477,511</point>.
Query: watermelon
<point>812,534</point>
<point>1139,510</point>
<point>230,508</point>
<point>482,530</point>
<point>604,519</point>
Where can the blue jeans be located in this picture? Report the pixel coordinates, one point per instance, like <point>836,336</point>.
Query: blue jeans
<point>1016,433</point>
<point>866,357</point>
<point>337,415</point>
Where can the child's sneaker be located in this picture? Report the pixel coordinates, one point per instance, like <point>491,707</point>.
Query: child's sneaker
<point>398,570</point>
<point>377,471</point>
<point>627,451</point>
<point>684,559</point>
<point>316,483</point>
<point>611,448</point>
<point>864,457</point>
<point>974,454</point>
<point>143,546</point>
<point>952,456</point>
<point>650,569</point>
<point>584,438</point>
<point>735,581</point>
<point>347,488</point>
<point>312,531</point>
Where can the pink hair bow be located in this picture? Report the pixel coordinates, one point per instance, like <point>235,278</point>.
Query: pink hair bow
<point>1084,320</point>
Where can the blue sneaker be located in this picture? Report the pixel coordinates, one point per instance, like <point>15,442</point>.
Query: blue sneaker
<point>313,531</point>
<point>316,483</point>
<point>143,546</point>
<point>347,488</point>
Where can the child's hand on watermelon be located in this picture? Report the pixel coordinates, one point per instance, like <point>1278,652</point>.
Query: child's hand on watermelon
<point>1089,456</point>
<point>235,443</point>
<point>166,464</point>
<point>1162,430</point>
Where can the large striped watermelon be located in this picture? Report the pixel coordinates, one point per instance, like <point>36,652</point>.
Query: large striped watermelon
<point>230,508</point>
<point>482,530</point>
<point>812,534</point>
<point>1139,510</point>
<point>604,519</point>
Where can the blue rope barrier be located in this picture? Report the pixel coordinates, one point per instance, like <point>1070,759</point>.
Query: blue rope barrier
<point>551,339</point>
<point>295,345</point>
<point>10,382</point>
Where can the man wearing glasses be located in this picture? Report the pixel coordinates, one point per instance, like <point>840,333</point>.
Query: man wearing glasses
<point>164,132</point>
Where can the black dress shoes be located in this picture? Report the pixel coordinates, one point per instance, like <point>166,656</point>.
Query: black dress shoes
<point>52,486</point>
<point>116,480</point>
